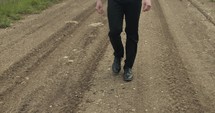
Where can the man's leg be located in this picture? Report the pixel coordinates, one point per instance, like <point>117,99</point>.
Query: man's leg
<point>115,18</point>
<point>132,14</point>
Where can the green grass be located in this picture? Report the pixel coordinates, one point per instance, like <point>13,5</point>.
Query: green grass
<point>11,10</point>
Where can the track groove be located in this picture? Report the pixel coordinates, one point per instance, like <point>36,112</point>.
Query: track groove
<point>33,59</point>
<point>210,19</point>
<point>180,88</point>
<point>61,87</point>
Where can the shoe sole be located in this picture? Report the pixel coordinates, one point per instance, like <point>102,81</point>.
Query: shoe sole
<point>115,73</point>
<point>128,79</point>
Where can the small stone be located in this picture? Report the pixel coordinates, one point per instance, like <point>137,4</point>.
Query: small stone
<point>134,88</point>
<point>23,82</point>
<point>70,61</point>
<point>27,78</point>
<point>74,50</point>
<point>133,110</point>
<point>189,4</point>
<point>72,22</point>
<point>66,57</point>
<point>50,106</point>
<point>146,110</point>
<point>99,24</point>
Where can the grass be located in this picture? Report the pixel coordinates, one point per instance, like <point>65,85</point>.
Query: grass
<point>12,10</point>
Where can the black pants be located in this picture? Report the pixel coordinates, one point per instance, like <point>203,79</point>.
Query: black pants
<point>131,9</point>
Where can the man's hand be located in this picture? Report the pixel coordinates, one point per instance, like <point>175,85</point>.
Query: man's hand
<point>146,5</point>
<point>99,7</point>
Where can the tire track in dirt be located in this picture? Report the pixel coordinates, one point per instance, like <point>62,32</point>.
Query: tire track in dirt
<point>62,33</point>
<point>56,15</point>
<point>71,78</point>
<point>161,82</point>
<point>35,57</point>
<point>166,82</point>
<point>25,45</point>
<point>194,37</point>
<point>64,79</point>
<point>195,4</point>
<point>177,83</point>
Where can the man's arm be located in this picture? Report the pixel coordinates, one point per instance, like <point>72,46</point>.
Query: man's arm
<point>99,6</point>
<point>146,5</point>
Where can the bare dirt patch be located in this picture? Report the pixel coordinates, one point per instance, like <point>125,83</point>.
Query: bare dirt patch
<point>68,68</point>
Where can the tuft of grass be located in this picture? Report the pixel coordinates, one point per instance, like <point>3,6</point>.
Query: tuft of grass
<point>11,10</point>
<point>4,22</point>
<point>212,0</point>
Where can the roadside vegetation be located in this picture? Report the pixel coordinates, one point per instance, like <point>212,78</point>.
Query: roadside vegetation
<point>11,10</point>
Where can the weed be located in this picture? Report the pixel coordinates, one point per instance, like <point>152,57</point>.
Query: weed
<point>11,10</point>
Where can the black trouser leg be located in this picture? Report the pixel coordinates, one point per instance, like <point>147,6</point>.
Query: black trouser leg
<point>132,14</point>
<point>116,10</point>
<point>115,18</point>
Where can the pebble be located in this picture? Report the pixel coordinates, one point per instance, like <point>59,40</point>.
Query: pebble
<point>133,110</point>
<point>116,96</point>
<point>72,22</point>
<point>27,78</point>
<point>74,50</point>
<point>65,57</point>
<point>23,82</point>
<point>96,24</point>
<point>70,61</point>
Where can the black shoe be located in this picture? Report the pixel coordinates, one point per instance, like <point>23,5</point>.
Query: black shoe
<point>116,67</point>
<point>128,74</point>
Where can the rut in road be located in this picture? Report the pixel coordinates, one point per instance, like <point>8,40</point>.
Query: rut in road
<point>20,42</point>
<point>62,76</point>
<point>75,76</point>
<point>161,82</point>
<point>33,58</point>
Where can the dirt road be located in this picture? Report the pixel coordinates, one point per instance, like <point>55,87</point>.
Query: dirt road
<point>59,61</point>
